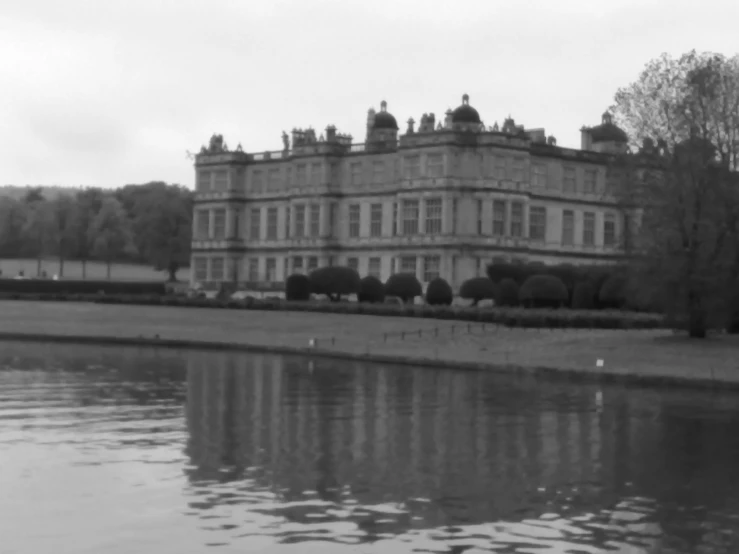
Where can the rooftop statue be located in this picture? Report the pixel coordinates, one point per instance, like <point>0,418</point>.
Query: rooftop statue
<point>285,141</point>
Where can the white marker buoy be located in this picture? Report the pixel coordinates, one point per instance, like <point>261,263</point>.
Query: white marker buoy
<point>599,363</point>
<point>312,343</point>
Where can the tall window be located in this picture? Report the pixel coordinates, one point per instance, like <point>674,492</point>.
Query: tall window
<point>300,221</point>
<point>288,214</point>
<point>352,263</point>
<point>270,268</point>
<point>588,229</point>
<point>202,224</point>
<point>315,174</point>
<point>253,270</point>
<point>333,207</point>
<point>395,219</point>
<point>609,230</point>
<point>499,217</point>
<point>433,216</point>
<point>297,264</point>
<point>217,269</point>
<point>220,181</point>
<point>354,215</point>
<point>431,267</point>
<point>378,172</point>
<point>501,168</point>
<point>201,269</point>
<point>539,175</point>
<point>408,264</point>
<point>274,178</point>
<point>312,263</point>
<point>568,181</point>
<point>410,217</point>
<point>516,219</point>
<point>373,267</point>
<point>203,181</point>
<point>376,220</point>
<point>537,223</point>
<point>434,165</point>
<point>356,173</point>
<point>517,170</point>
<point>271,223</point>
<point>219,223</point>
<point>589,181</point>
<point>480,206</point>
<point>412,167</point>
<point>315,220</point>
<point>255,223</point>
<point>257,181</point>
<point>301,173</point>
<point>568,227</point>
<point>454,216</point>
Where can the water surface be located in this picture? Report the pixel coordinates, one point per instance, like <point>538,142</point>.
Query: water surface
<point>121,450</point>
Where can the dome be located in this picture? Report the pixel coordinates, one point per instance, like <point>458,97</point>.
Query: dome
<point>384,119</point>
<point>465,113</point>
<point>608,131</point>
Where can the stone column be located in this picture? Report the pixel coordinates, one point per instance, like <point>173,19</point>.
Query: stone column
<point>211,225</point>
<point>229,223</point>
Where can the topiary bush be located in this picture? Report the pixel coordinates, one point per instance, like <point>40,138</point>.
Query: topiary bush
<point>403,285</point>
<point>543,291</point>
<point>439,293</point>
<point>371,290</point>
<point>507,293</point>
<point>334,282</point>
<point>477,289</point>
<point>583,297</point>
<point>497,272</point>
<point>297,288</point>
<point>612,294</point>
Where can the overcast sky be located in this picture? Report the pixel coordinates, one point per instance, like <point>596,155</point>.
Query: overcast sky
<point>109,92</point>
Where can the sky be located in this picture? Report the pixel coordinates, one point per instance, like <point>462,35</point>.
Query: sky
<point>113,92</point>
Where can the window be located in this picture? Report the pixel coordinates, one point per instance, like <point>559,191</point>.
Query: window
<point>434,165</point>
<point>373,268</point>
<point>518,170</point>
<point>297,264</point>
<point>271,223</point>
<point>539,175</point>
<point>274,178</point>
<point>431,267</point>
<point>200,266</point>
<point>537,223</point>
<point>270,272</point>
<point>568,183</point>
<point>589,181</point>
<point>499,218</point>
<point>352,263</point>
<point>236,223</point>
<point>568,227</point>
<point>300,221</point>
<point>355,177</point>
<point>331,261</point>
<point>257,181</point>
<point>312,263</point>
<point>315,220</point>
<point>332,218</point>
<point>408,264</point>
<point>479,216</point>
<point>588,229</point>
<point>412,167</point>
<point>219,224</point>
<point>378,172</point>
<point>376,220</point>
<point>216,269</point>
<point>300,174</point>
<point>501,170</point>
<point>255,223</point>
<point>202,224</point>
<point>433,216</point>
<point>253,270</point>
<point>315,174</point>
<point>287,222</point>
<point>410,217</point>
<point>516,219</point>
<point>354,220</point>
<point>395,219</point>
<point>220,180</point>
<point>203,181</point>
<point>609,230</point>
<point>454,216</point>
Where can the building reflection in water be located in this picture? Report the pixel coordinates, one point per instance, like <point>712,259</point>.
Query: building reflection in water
<point>447,448</point>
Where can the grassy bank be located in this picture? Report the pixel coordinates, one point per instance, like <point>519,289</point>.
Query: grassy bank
<point>95,270</point>
<point>645,354</point>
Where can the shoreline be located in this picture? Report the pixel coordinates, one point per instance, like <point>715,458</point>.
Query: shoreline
<point>652,358</point>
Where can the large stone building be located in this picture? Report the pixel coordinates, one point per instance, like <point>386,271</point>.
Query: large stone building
<point>445,198</point>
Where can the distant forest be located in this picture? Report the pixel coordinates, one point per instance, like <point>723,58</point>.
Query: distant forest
<point>148,224</point>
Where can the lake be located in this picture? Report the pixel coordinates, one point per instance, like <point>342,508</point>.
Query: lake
<point>120,450</point>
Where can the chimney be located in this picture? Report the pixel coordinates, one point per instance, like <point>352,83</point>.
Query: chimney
<point>586,141</point>
<point>431,120</point>
<point>448,119</point>
<point>370,121</point>
<point>330,133</point>
<point>411,122</point>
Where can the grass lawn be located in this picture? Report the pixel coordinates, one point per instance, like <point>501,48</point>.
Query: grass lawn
<point>646,353</point>
<point>95,270</point>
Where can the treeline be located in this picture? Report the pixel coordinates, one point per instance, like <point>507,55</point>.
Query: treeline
<point>148,224</point>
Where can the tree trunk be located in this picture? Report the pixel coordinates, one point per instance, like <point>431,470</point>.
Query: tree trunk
<point>696,318</point>
<point>61,266</point>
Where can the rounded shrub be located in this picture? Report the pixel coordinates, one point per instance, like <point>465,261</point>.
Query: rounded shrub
<point>583,297</point>
<point>371,290</point>
<point>499,271</point>
<point>507,293</point>
<point>297,287</point>
<point>612,292</point>
<point>477,289</point>
<point>334,282</point>
<point>543,291</point>
<point>403,285</point>
<point>439,293</point>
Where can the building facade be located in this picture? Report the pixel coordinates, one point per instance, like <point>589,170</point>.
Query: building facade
<point>444,199</point>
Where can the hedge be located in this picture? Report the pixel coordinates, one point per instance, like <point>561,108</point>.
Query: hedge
<point>297,287</point>
<point>334,281</point>
<point>371,290</point>
<point>439,293</point>
<point>478,289</point>
<point>63,286</point>
<point>544,291</point>
<point>403,285</point>
<point>507,294</point>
